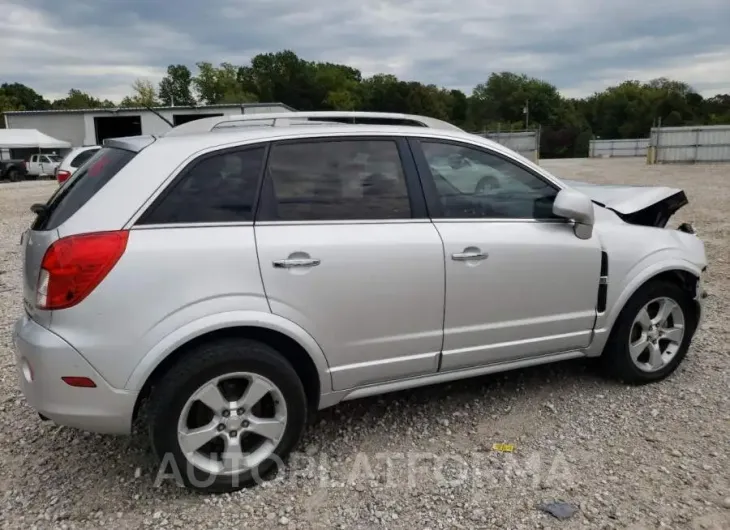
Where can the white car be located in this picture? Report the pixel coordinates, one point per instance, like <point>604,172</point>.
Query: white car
<point>74,160</point>
<point>239,280</point>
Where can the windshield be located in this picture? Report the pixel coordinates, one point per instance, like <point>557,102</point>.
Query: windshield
<point>54,158</point>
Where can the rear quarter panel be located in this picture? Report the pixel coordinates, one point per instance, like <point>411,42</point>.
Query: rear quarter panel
<point>167,278</point>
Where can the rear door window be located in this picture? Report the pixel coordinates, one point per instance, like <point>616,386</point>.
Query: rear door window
<point>81,187</point>
<point>220,187</point>
<point>336,180</point>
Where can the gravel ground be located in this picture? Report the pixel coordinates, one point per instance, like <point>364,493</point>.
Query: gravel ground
<point>651,457</point>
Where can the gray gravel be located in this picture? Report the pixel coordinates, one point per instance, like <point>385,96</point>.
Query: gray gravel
<point>651,457</point>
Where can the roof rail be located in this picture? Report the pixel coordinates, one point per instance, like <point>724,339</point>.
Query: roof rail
<point>284,119</point>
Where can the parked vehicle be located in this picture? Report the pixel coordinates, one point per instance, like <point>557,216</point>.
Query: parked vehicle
<point>12,170</point>
<point>40,165</point>
<point>236,282</point>
<point>74,160</point>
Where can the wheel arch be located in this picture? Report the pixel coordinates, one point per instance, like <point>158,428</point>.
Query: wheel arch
<point>299,349</point>
<point>680,272</point>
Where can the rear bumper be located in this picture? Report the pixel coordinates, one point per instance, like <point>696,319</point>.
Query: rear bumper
<point>42,358</point>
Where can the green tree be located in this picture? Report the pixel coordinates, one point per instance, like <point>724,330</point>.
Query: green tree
<point>626,110</point>
<point>502,99</point>
<point>77,99</point>
<point>22,97</point>
<point>220,84</point>
<point>175,87</point>
<point>144,95</point>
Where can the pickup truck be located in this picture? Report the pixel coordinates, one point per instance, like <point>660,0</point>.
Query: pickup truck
<point>41,165</point>
<point>12,170</point>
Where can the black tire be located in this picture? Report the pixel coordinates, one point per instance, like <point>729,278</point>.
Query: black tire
<point>197,367</point>
<point>13,175</point>
<point>616,360</point>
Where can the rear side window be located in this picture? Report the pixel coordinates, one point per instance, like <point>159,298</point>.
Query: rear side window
<point>217,188</point>
<point>82,157</point>
<point>336,180</point>
<point>82,186</point>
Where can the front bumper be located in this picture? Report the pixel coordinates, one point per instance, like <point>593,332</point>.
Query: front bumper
<point>42,359</point>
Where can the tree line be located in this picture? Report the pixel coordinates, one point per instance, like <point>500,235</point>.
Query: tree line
<point>627,110</point>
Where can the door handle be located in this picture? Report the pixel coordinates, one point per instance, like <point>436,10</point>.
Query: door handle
<point>469,256</point>
<point>296,262</point>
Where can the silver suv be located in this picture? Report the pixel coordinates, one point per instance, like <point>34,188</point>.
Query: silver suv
<point>238,281</point>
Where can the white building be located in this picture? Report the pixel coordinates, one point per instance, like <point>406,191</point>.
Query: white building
<point>91,126</point>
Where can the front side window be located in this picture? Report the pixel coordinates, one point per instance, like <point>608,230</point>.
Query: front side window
<point>337,180</point>
<point>472,183</point>
<point>217,188</point>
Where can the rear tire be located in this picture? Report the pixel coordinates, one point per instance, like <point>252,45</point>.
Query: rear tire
<point>13,175</point>
<point>236,394</point>
<point>643,346</point>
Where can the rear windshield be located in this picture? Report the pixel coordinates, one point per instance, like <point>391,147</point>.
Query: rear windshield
<point>82,157</point>
<point>82,186</point>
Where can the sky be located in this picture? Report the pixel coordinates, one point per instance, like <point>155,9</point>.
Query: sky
<point>580,46</point>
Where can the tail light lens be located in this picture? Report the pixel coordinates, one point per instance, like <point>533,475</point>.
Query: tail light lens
<point>62,175</point>
<point>73,266</point>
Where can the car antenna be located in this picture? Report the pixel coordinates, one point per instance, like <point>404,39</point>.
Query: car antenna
<point>153,111</point>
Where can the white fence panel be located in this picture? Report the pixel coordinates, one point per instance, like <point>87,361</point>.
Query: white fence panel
<point>526,143</point>
<point>709,143</point>
<point>626,147</point>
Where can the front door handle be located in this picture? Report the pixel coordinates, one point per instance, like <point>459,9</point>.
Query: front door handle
<point>295,263</point>
<point>470,256</point>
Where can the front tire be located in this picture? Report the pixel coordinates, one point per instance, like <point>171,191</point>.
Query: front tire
<point>226,415</point>
<point>651,335</point>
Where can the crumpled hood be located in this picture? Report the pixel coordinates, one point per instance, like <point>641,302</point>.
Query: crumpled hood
<point>646,205</point>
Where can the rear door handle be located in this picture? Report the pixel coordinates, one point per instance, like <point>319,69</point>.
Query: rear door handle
<point>469,256</point>
<point>296,262</point>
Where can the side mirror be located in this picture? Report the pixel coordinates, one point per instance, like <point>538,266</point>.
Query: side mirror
<point>577,207</point>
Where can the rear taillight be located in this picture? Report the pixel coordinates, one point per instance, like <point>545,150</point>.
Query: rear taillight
<point>79,382</point>
<point>73,266</point>
<point>62,175</point>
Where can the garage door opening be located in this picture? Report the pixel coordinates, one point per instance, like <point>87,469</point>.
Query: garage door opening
<point>179,119</point>
<point>116,127</point>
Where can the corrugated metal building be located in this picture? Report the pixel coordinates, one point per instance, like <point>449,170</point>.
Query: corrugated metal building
<point>626,147</point>
<point>91,126</point>
<point>707,143</point>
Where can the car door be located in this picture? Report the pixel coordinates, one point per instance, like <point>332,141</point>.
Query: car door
<point>33,165</point>
<point>519,283</point>
<point>347,252</point>
<point>44,165</point>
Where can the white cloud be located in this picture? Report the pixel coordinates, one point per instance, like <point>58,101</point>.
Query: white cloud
<point>707,73</point>
<point>581,46</point>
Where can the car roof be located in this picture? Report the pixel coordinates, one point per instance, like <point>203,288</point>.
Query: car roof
<point>302,117</point>
<point>237,135</point>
